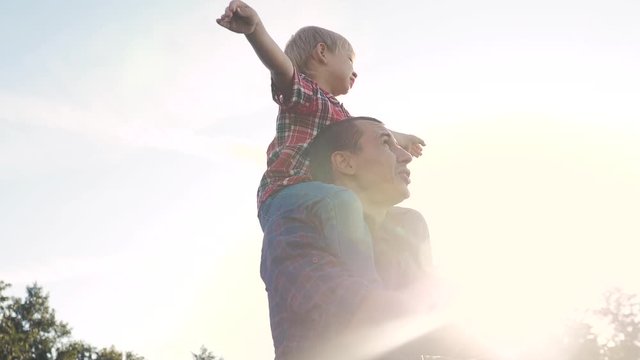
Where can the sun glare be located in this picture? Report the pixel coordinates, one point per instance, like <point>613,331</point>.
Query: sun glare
<point>531,219</point>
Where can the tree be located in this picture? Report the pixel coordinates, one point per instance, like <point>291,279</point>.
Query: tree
<point>205,355</point>
<point>611,332</point>
<point>78,350</point>
<point>622,313</point>
<point>75,350</point>
<point>113,354</point>
<point>580,342</point>
<point>29,330</point>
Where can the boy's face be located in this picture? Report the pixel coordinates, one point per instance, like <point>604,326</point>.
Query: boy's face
<point>341,74</point>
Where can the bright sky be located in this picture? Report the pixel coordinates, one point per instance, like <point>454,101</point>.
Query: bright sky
<point>132,139</point>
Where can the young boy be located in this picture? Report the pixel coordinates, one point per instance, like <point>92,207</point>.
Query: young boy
<point>316,66</point>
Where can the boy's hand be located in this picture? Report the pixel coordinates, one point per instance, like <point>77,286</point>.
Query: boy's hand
<point>411,143</point>
<point>239,18</point>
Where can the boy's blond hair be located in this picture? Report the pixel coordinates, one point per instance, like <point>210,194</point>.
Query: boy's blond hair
<point>304,41</point>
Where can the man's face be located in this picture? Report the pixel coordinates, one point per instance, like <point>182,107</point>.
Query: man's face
<point>381,165</point>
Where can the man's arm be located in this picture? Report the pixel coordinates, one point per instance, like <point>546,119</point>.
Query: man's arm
<point>241,18</point>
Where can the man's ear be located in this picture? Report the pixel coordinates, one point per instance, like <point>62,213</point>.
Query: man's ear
<point>319,53</point>
<point>342,163</point>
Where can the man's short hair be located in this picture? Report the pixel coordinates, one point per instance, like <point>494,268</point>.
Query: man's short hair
<point>341,136</point>
<point>304,41</point>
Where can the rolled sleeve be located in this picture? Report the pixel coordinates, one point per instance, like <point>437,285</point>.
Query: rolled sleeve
<point>301,92</point>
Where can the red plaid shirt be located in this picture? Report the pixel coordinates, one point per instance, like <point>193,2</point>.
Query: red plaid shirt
<point>300,118</point>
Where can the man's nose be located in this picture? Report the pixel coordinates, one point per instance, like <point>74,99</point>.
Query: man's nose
<point>402,155</point>
<point>354,74</point>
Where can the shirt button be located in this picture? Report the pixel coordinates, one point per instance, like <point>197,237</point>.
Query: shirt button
<point>315,259</point>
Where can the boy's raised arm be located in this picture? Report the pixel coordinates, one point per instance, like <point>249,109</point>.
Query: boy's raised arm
<point>241,18</point>
<point>411,143</point>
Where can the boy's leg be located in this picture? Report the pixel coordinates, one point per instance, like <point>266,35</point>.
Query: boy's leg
<point>338,213</point>
<point>344,225</point>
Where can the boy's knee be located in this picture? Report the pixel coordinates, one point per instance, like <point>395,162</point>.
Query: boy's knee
<point>346,201</point>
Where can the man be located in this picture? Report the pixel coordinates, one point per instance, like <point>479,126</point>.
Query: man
<point>323,298</point>
<point>362,156</point>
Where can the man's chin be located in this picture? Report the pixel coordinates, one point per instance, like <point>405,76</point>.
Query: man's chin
<point>401,196</point>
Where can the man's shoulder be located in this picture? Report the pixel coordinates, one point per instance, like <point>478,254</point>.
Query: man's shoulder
<point>410,221</point>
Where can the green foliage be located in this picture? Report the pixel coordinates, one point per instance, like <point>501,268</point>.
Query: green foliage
<point>29,330</point>
<point>113,354</point>
<point>205,355</point>
<point>81,351</point>
<point>76,350</point>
